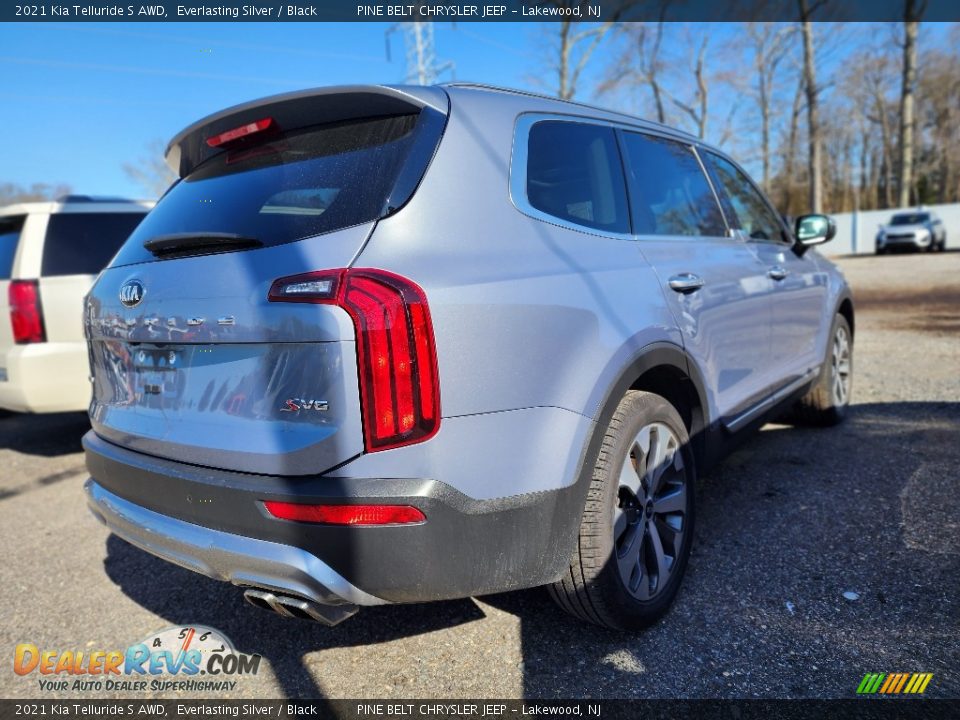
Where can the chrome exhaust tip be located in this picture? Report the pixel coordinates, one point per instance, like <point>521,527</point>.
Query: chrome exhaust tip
<point>294,607</point>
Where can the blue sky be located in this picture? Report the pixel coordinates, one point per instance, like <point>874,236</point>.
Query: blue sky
<point>81,99</point>
<point>84,98</point>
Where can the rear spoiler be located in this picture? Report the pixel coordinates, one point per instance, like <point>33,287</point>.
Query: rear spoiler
<point>304,108</point>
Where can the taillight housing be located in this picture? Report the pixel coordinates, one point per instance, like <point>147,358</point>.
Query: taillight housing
<point>346,514</point>
<point>396,353</point>
<point>26,312</point>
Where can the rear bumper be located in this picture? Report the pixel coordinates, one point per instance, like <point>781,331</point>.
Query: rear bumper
<point>45,377</point>
<point>213,522</point>
<point>236,559</point>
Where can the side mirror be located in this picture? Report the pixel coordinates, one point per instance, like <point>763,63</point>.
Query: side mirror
<point>814,230</point>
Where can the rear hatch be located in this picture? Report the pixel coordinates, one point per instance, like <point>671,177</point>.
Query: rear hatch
<point>190,359</point>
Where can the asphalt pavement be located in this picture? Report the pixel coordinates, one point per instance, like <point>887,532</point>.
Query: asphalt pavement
<point>820,555</point>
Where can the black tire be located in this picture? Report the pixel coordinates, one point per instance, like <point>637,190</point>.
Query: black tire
<point>594,588</point>
<point>824,406</point>
<point>881,251</point>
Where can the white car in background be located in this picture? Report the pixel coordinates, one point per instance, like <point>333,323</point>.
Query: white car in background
<point>50,254</point>
<point>913,230</point>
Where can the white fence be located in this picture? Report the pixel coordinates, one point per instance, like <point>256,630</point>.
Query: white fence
<point>856,231</point>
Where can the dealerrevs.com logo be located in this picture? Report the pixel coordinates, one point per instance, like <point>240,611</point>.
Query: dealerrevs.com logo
<point>184,659</point>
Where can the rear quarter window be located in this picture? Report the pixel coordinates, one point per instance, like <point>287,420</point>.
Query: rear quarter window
<point>289,187</point>
<point>574,174</point>
<point>83,243</point>
<point>9,237</point>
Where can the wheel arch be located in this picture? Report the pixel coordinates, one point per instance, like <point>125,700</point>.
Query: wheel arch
<point>665,369</point>
<point>845,308</point>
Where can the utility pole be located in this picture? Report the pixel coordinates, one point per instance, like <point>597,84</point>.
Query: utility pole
<point>422,66</point>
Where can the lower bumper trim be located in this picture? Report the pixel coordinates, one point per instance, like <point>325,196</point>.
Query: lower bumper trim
<point>243,561</point>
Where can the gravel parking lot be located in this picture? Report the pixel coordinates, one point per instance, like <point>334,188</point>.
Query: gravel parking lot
<point>788,524</point>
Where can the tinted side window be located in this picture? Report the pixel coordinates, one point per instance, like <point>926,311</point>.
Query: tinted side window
<point>670,194</point>
<point>83,243</point>
<point>751,212</point>
<point>9,236</point>
<point>574,173</point>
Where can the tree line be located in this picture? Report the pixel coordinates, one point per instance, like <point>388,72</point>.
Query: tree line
<point>830,117</point>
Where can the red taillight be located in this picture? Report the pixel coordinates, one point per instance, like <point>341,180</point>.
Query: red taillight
<point>346,514</point>
<point>396,354</point>
<point>242,131</point>
<point>26,314</point>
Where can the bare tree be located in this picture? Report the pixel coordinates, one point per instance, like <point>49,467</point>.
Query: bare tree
<point>769,49</point>
<point>576,43</point>
<point>938,105</point>
<point>570,65</point>
<point>698,108</point>
<point>790,154</point>
<point>812,91</point>
<point>643,64</point>
<point>640,64</point>
<point>151,172</point>
<point>875,80</point>
<point>913,10</point>
<point>864,106</point>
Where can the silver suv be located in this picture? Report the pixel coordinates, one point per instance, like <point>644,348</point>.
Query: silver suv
<point>397,344</point>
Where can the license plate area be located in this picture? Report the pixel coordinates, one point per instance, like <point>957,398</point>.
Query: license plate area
<point>155,372</point>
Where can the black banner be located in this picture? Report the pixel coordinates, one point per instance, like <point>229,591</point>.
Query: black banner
<point>859,708</point>
<point>467,11</point>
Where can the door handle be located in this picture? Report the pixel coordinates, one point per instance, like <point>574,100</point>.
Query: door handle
<point>778,272</point>
<point>686,283</point>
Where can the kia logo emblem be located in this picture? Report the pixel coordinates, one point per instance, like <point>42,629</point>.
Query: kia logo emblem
<point>131,293</point>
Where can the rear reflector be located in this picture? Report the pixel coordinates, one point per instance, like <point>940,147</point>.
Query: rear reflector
<point>26,314</point>
<point>237,133</point>
<point>346,514</point>
<point>396,353</point>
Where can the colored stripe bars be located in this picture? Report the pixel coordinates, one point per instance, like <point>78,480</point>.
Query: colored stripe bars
<point>894,683</point>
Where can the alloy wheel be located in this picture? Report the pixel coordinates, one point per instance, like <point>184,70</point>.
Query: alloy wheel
<point>649,519</point>
<point>841,366</point>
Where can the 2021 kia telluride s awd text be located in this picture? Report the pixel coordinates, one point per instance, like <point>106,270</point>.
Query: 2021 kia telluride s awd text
<point>397,344</point>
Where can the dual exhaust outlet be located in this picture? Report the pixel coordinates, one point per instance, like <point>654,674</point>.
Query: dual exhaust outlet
<point>294,607</point>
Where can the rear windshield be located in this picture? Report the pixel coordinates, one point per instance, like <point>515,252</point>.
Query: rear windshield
<point>9,235</point>
<point>910,219</point>
<point>83,243</point>
<point>295,186</point>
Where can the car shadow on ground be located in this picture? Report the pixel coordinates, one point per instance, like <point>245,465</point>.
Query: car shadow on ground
<point>48,435</point>
<point>197,600</point>
<point>786,524</point>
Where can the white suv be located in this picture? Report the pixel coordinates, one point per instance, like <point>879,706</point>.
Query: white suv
<point>50,253</point>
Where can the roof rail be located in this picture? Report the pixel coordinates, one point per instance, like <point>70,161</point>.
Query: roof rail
<point>544,96</point>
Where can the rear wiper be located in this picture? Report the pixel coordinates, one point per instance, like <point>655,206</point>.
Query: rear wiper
<point>191,243</point>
